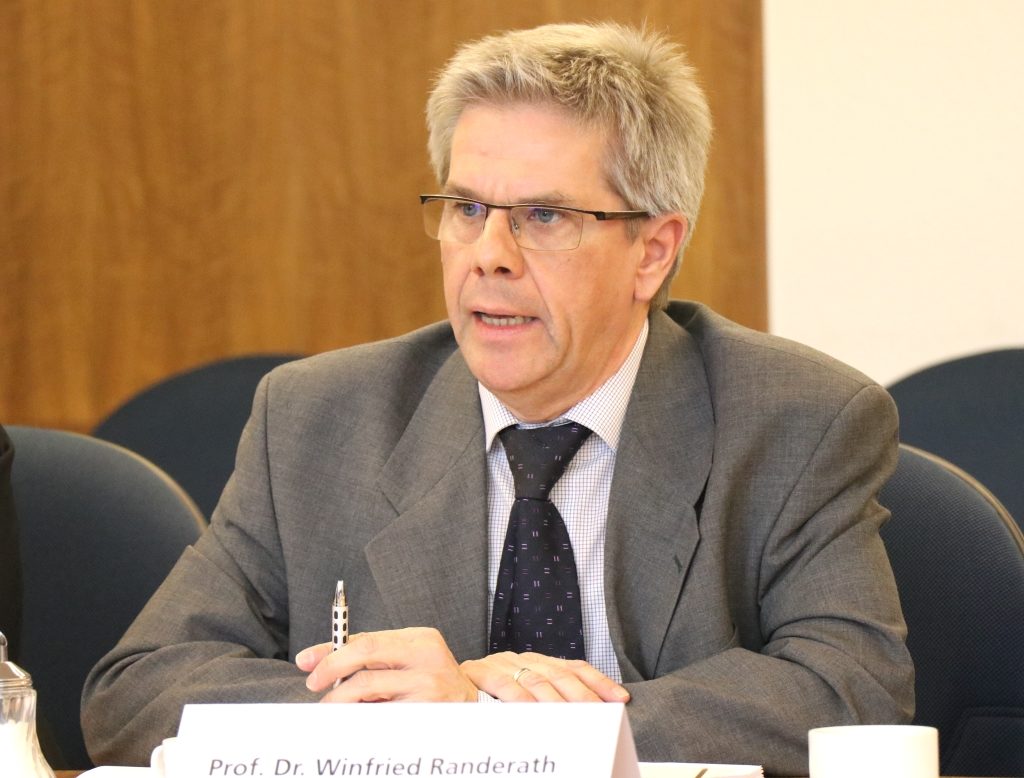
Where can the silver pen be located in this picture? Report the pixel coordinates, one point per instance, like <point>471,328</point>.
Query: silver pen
<point>339,621</point>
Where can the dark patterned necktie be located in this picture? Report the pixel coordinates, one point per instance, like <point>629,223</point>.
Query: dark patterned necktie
<point>537,599</point>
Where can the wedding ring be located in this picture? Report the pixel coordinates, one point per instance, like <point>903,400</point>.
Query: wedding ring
<point>519,673</point>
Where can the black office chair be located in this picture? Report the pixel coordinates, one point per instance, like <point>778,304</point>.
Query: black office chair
<point>971,411</point>
<point>190,424</point>
<point>100,529</point>
<point>958,558</point>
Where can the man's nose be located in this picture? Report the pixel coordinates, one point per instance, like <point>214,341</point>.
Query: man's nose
<point>496,249</point>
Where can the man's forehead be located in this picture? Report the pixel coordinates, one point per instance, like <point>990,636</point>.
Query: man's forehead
<point>526,153</point>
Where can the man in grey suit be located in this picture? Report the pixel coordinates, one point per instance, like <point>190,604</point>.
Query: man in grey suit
<point>733,586</point>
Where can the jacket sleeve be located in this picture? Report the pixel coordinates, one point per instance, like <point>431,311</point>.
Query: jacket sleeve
<point>216,629</point>
<point>832,632</point>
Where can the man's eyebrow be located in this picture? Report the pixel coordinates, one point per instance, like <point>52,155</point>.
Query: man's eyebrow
<point>547,198</point>
<point>454,190</point>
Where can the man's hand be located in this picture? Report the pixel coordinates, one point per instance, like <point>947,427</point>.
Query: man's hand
<point>413,664</point>
<point>532,677</point>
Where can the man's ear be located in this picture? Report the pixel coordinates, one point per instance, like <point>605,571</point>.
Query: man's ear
<point>660,237</point>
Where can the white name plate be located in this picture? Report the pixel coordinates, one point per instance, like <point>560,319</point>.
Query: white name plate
<point>578,740</point>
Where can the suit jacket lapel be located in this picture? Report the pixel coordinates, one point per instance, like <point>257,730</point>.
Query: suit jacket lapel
<point>661,467</point>
<point>430,563</point>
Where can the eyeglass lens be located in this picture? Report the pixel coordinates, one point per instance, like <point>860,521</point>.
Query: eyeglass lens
<point>538,227</point>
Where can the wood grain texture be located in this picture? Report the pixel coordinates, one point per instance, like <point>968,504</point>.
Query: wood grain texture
<point>182,180</point>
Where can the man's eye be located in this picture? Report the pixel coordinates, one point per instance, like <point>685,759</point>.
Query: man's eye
<point>546,215</point>
<point>469,210</point>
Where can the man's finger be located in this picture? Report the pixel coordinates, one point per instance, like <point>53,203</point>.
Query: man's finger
<point>540,688</point>
<point>417,648</point>
<point>560,682</point>
<point>308,658</point>
<point>596,682</point>
<point>397,685</point>
<point>504,677</point>
<point>544,678</point>
<point>496,678</point>
<point>565,674</point>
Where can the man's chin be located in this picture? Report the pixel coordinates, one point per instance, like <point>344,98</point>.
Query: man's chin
<point>500,382</point>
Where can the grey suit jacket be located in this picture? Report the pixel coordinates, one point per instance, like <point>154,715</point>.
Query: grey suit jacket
<point>748,594</point>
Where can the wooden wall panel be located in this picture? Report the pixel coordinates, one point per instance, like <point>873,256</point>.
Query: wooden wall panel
<point>182,180</point>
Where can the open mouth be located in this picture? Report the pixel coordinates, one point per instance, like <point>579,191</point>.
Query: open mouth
<point>497,320</point>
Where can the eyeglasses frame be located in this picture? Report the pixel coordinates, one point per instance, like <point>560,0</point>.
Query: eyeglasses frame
<point>601,216</point>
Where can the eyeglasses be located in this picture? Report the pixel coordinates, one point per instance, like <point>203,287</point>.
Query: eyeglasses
<point>534,226</point>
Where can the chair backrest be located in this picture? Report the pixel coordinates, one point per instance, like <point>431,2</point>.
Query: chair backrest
<point>190,424</point>
<point>958,559</point>
<point>971,411</point>
<point>100,528</point>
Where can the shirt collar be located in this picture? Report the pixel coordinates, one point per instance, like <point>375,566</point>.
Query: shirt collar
<point>603,411</point>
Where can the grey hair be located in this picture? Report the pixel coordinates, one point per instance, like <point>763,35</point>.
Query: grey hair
<point>635,84</point>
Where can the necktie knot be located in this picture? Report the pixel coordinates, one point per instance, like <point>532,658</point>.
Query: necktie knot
<point>538,456</point>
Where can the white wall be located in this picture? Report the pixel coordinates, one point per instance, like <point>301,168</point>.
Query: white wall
<point>895,153</point>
